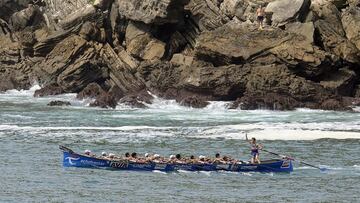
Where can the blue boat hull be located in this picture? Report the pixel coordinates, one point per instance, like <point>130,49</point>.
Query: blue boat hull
<point>77,160</point>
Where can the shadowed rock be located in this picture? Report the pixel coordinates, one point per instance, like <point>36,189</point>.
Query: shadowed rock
<point>59,103</point>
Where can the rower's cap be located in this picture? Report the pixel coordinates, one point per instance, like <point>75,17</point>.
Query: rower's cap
<point>87,151</point>
<point>111,155</point>
<point>146,154</point>
<point>202,157</point>
<point>103,153</point>
<point>156,155</point>
<point>172,156</point>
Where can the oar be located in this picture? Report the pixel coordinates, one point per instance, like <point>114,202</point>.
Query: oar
<point>273,153</point>
<point>63,148</point>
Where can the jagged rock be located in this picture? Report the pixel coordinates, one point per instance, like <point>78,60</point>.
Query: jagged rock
<point>49,90</point>
<point>206,14</point>
<point>46,44</point>
<point>327,12</point>
<point>357,91</point>
<point>335,43</point>
<point>180,59</point>
<point>59,103</point>
<point>120,73</point>
<point>283,11</point>
<point>89,31</point>
<point>194,102</point>
<point>305,29</point>
<point>200,79</point>
<point>337,3</point>
<point>227,45</point>
<point>102,4</point>
<point>64,54</point>
<point>9,7</point>
<point>9,51</point>
<point>279,80</point>
<point>137,100</point>
<point>152,11</point>
<point>245,44</point>
<point>271,101</point>
<point>351,23</point>
<point>92,90</point>
<point>233,7</point>
<point>334,104</point>
<point>87,13</point>
<point>82,72</point>
<point>30,16</point>
<point>176,44</point>
<point>105,100</point>
<point>141,44</point>
<point>340,82</point>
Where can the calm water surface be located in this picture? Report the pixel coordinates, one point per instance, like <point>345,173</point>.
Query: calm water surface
<point>31,168</point>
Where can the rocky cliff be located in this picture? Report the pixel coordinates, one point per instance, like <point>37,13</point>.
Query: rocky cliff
<point>193,51</point>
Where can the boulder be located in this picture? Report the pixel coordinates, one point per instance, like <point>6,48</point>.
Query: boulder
<point>59,103</point>
<point>341,82</point>
<point>137,100</point>
<point>351,23</point>
<point>305,29</point>
<point>92,90</point>
<point>152,11</point>
<point>327,12</point>
<point>283,11</point>
<point>104,100</point>
<point>49,90</point>
<point>140,42</point>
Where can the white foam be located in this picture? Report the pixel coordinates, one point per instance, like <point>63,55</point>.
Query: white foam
<point>122,128</point>
<point>23,92</point>
<point>160,172</point>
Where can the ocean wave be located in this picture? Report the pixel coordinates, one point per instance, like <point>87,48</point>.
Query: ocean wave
<point>28,92</point>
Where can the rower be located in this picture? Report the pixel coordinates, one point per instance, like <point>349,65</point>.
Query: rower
<point>89,153</point>
<point>201,159</point>
<point>127,155</point>
<point>133,157</point>
<point>103,154</point>
<point>218,159</point>
<point>111,156</point>
<point>178,159</point>
<point>156,158</point>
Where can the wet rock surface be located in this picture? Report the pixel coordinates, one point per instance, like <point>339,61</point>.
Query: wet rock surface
<point>193,51</point>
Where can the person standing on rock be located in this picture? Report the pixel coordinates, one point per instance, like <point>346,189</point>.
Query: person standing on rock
<point>260,13</point>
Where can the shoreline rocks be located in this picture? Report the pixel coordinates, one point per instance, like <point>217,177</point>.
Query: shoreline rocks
<point>192,51</point>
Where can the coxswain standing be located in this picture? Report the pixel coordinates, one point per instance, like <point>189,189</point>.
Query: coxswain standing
<point>255,151</point>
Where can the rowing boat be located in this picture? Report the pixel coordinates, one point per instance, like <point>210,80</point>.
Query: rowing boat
<point>72,159</point>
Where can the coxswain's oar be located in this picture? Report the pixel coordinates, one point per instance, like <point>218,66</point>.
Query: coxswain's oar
<point>290,158</point>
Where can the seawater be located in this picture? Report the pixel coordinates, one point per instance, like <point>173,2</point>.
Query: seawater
<point>31,168</point>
